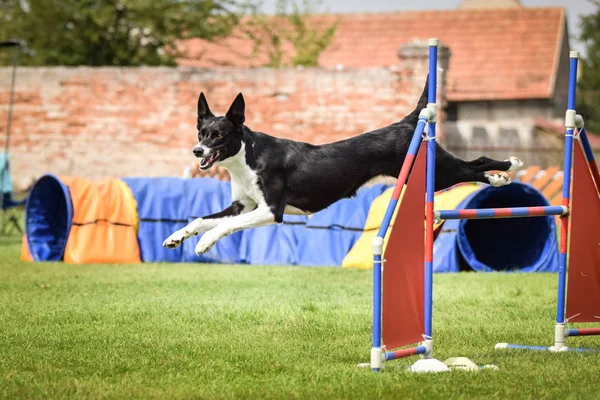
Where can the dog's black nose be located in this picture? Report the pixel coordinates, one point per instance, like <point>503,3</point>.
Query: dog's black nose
<point>198,152</point>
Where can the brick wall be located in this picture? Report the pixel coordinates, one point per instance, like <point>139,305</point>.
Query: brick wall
<point>97,122</point>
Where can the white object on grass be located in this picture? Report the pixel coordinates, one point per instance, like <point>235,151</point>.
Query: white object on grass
<point>462,363</point>
<point>428,365</point>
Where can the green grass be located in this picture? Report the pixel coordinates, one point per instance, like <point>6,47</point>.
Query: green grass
<point>216,331</point>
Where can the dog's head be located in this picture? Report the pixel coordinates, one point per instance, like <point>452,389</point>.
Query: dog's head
<point>219,137</point>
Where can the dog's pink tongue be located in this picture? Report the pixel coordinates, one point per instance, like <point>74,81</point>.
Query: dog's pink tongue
<point>207,161</point>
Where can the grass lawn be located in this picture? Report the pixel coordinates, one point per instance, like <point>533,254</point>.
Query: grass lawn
<point>217,331</point>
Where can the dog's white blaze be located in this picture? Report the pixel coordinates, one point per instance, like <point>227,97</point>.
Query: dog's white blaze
<point>205,150</point>
<point>244,181</point>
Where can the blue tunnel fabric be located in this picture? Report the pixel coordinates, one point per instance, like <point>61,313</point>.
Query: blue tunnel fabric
<point>48,218</point>
<point>161,211</point>
<point>324,239</point>
<point>274,244</point>
<point>507,244</point>
<point>331,233</point>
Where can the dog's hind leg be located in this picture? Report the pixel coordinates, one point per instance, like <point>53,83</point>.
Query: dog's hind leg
<point>260,216</point>
<point>483,164</point>
<point>450,170</point>
<point>201,225</point>
<point>495,179</point>
<point>480,170</point>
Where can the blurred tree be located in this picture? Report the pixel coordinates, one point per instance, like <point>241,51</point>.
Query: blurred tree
<point>112,32</point>
<point>291,27</point>
<point>588,99</point>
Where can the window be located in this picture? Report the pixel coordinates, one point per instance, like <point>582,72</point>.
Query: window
<point>452,112</point>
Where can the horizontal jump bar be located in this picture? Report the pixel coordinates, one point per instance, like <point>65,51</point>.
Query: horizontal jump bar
<point>584,332</point>
<point>510,212</point>
<point>412,351</point>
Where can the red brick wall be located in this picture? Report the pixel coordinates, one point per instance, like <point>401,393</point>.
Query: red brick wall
<point>97,122</point>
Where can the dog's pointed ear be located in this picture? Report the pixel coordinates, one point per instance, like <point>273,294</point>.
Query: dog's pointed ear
<point>237,111</point>
<point>203,110</point>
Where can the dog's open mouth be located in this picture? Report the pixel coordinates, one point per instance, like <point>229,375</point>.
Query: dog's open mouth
<point>207,162</point>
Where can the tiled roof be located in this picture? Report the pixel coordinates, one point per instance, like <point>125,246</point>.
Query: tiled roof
<point>496,54</point>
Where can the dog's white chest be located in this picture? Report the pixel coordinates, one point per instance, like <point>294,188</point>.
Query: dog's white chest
<point>246,186</point>
<point>244,180</point>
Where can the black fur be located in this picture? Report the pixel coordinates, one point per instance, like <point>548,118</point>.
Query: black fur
<point>311,177</point>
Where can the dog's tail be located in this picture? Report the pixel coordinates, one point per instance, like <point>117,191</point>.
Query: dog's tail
<point>413,117</point>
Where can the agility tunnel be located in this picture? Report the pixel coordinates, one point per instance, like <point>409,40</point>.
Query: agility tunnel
<point>77,220</point>
<point>80,221</point>
<point>523,245</point>
<point>48,218</point>
<point>487,245</point>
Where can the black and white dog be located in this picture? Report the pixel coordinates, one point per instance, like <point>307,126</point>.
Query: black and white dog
<point>272,176</point>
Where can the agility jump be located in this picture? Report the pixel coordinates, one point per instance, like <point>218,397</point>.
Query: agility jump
<point>402,291</point>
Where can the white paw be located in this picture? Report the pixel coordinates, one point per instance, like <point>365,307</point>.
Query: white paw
<point>176,239</point>
<point>207,241</point>
<point>515,163</point>
<point>499,179</point>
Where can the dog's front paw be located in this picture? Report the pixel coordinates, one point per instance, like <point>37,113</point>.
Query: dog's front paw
<point>175,240</point>
<point>499,179</point>
<point>202,248</point>
<point>515,163</point>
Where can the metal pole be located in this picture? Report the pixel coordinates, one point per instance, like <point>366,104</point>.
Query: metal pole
<point>9,118</point>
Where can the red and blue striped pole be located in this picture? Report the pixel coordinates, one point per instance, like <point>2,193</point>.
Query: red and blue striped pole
<point>430,188</point>
<point>411,351</point>
<point>509,212</point>
<point>406,167</point>
<point>583,332</point>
